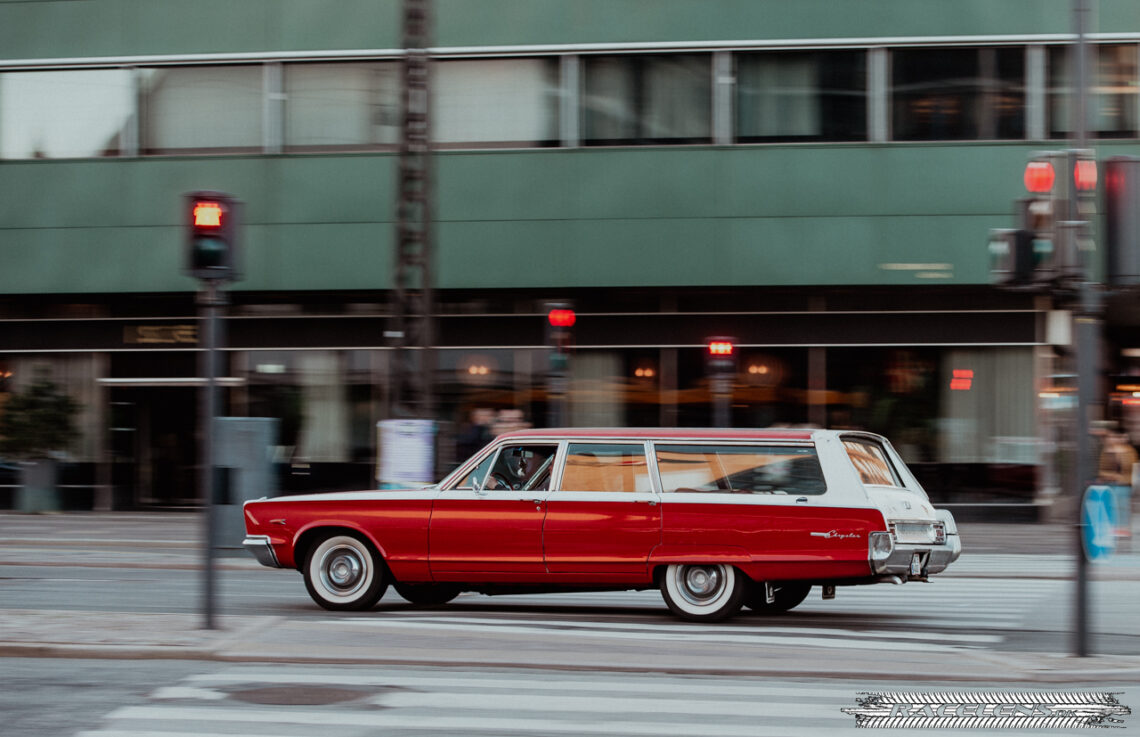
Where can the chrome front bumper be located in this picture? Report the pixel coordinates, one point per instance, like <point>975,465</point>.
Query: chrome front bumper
<point>261,549</point>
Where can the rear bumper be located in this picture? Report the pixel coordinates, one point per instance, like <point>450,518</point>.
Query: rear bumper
<point>930,559</point>
<point>260,547</point>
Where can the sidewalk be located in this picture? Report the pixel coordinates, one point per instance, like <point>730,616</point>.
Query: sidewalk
<point>173,540</point>
<point>365,640</point>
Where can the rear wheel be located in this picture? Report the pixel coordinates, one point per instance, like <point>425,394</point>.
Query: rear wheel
<point>703,592</point>
<point>788,595</point>
<point>343,572</point>
<point>427,594</point>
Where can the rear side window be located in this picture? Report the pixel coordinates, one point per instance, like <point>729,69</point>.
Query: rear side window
<point>871,461</point>
<point>740,469</point>
<point>606,467</point>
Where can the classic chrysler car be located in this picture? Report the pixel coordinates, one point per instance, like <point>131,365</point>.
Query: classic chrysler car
<point>716,519</point>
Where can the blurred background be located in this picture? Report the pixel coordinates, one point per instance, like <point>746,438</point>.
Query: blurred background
<point>815,180</point>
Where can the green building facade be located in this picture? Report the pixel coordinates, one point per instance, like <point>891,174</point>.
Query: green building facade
<point>816,179</point>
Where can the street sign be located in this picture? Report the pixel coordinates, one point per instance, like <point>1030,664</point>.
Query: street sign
<point>1098,522</point>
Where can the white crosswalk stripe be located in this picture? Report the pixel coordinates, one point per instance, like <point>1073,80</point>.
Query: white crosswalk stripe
<point>489,702</point>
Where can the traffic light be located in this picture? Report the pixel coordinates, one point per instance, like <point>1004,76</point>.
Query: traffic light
<point>1051,239</point>
<point>213,225</point>
<point>560,319</point>
<point>720,356</point>
<point>1122,221</point>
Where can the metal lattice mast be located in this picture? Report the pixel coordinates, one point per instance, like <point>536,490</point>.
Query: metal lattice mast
<point>413,297</point>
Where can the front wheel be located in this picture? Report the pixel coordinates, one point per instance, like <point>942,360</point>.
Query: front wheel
<point>427,594</point>
<point>787,595</point>
<point>345,573</point>
<point>703,592</point>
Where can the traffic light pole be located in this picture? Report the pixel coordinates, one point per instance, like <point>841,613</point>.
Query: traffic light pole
<point>1088,347</point>
<point>1088,339</point>
<point>211,300</point>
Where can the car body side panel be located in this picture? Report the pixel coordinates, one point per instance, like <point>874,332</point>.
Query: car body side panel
<point>396,523</point>
<point>487,536</point>
<point>781,541</point>
<point>601,536</point>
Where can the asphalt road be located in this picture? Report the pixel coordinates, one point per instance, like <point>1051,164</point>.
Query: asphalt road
<point>598,664</point>
<point>162,698</point>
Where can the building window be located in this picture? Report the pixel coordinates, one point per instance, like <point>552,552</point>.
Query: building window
<point>958,94</point>
<point>202,109</point>
<point>1112,100</point>
<point>342,106</point>
<point>496,101</point>
<point>66,114</point>
<point>647,99</point>
<point>801,96</point>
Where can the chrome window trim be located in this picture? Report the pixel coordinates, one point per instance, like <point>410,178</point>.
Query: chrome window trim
<point>650,466</point>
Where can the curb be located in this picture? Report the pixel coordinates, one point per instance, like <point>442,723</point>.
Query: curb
<point>216,653</point>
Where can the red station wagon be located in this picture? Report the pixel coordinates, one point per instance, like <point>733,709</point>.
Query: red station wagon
<point>716,519</point>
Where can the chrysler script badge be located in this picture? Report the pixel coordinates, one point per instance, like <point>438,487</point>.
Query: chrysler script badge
<point>837,535</point>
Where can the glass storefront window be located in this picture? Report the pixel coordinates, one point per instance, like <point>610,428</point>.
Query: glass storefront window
<point>801,96</point>
<point>496,101</point>
<point>1112,98</point>
<point>342,106</point>
<point>647,99</point>
<point>307,392</point>
<point>958,94</point>
<point>66,114</point>
<point>202,109</point>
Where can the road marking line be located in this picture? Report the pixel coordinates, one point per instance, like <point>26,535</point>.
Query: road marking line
<point>688,630</point>
<point>464,724</point>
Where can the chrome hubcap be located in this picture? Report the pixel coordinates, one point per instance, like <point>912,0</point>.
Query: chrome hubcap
<point>342,570</point>
<point>699,584</point>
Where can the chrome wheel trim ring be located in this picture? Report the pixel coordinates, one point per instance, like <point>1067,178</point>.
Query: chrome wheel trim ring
<point>700,589</point>
<point>700,584</point>
<point>342,567</point>
<point>342,570</point>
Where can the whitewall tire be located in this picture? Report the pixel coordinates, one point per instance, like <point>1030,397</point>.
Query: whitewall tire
<point>703,592</point>
<point>343,572</point>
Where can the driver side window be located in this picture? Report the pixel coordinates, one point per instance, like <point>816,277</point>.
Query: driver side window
<point>520,467</point>
<point>475,479</point>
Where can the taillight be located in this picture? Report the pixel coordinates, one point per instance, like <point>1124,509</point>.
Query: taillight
<point>939,533</point>
<point>882,545</point>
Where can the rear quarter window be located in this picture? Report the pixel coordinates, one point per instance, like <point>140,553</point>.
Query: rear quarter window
<point>871,462</point>
<point>740,469</point>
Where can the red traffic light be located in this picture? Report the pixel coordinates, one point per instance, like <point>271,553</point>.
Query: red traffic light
<point>1039,176</point>
<point>562,318</point>
<point>721,348</point>
<point>208,214</point>
<point>1084,174</point>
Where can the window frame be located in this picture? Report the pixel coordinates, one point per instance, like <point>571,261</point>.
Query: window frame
<point>559,475</point>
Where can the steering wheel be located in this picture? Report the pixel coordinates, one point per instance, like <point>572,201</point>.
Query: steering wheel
<point>501,480</point>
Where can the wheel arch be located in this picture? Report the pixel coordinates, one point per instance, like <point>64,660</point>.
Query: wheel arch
<point>312,534</point>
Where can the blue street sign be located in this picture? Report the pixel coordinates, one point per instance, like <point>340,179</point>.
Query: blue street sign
<point>1098,522</point>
